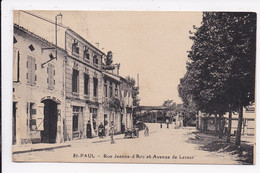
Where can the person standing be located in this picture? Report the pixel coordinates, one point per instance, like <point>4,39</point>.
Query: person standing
<point>89,132</point>
<point>112,132</point>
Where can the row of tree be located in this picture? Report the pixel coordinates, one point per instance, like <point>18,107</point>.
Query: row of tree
<point>220,73</point>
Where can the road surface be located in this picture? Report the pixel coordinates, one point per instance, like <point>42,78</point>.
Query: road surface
<point>161,146</point>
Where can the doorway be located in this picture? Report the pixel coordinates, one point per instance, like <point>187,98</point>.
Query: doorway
<point>48,135</point>
<point>14,123</point>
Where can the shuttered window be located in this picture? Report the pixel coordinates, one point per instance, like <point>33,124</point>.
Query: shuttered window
<point>16,66</point>
<point>32,67</point>
<point>51,74</point>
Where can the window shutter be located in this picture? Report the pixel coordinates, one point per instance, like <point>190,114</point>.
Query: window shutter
<point>15,69</point>
<point>31,70</point>
<point>40,117</point>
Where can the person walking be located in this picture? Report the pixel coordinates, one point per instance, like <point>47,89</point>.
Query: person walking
<point>89,132</point>
<point>101,130</point>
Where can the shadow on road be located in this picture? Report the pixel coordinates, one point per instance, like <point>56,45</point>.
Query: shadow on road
<point>211,143</point>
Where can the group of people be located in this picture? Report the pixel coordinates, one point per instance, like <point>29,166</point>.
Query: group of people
<point>101,129</point>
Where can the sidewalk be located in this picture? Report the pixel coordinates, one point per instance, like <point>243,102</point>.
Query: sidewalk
<point>16,149</point>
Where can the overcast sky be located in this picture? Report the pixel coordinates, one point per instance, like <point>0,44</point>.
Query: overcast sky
<point>153,44</point>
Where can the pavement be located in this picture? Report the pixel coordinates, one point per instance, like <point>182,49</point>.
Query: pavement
<point>16,149</point>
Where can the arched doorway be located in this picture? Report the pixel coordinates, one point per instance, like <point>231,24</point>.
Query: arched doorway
<point>49,134</point>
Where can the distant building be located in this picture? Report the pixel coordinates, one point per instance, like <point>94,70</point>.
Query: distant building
<point>208,123</point>
<point>152,114</point>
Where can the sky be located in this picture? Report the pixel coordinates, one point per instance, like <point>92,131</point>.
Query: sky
<point>151,44</point>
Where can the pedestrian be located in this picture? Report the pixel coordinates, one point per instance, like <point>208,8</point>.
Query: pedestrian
<point>146,131</point>
<point>167,123</point>
<point>112,132</point>
<point>89,132</point>
<point>101,130</point>
<point>161,125</point>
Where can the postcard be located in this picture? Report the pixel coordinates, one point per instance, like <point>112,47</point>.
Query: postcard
<point>134,87</point>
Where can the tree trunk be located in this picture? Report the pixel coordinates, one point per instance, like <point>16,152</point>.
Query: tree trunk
<point>216,124</point>
<point>229,126</point>
<point>220,134</point>
<point>239,125</point>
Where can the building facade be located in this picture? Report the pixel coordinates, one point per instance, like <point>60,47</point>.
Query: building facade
<point>83,83</point>
<point>117,102</point>
<point>38,89</point>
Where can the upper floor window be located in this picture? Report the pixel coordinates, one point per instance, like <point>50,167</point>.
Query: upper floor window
<point>75,47</point>
<point>105,87</point>
<point>95,87</point>
<point>75,81</point>
<point>116,90</point>
<point>86,54</point>
<point>111,89</point>
<point>86,84</point>
<point>16,66</point>
<point>51,74</point>
<point>32,67</point>
<point>95,59</point>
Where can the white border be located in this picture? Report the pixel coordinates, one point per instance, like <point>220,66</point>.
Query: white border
<point>130,5</point>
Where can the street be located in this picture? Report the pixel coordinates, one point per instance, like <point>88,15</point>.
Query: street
<point>162,145</point>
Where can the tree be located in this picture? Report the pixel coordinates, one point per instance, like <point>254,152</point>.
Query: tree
<point>108,65</point>
<point>135,93</point>
<point>221,69</point>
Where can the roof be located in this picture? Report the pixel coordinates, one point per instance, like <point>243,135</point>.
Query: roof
<point>152,107</point>
<point>38,37</point>
<point>112,76</point>
<point>94,47</point>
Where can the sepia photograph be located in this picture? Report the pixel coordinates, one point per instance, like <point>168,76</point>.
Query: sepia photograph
<point>174,87</point>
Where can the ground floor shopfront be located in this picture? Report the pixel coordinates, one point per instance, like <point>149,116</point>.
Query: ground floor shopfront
<point>79,115</point>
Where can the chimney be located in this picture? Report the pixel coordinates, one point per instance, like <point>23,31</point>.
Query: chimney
<point>97,45</point>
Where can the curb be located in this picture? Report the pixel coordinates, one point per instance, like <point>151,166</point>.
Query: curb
<point>41,149</point>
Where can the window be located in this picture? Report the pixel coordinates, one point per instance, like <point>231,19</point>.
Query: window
<point>95,87</point>
<point>75,47</point>
<point>95,59</point>
<point>50,79</point>
<point>105,88</point>
<point>116,90</point>
<point>31,66</point>
<point>16,66</point>
<point>86,83</point>
<point>31,111</point>
<point>86,54</point>
<point>75,78</point>
<point>111,89</point>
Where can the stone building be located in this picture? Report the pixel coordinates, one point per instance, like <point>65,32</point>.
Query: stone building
<point>83,83</point>
<point>38,90</point>
<point>57,91</point>
<point>117,102</point>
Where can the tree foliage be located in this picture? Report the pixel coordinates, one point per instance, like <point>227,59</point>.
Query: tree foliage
<point>221,68</point>
<point>135,93</point>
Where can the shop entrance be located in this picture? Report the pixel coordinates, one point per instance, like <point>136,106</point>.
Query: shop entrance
<point>48,135</point>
